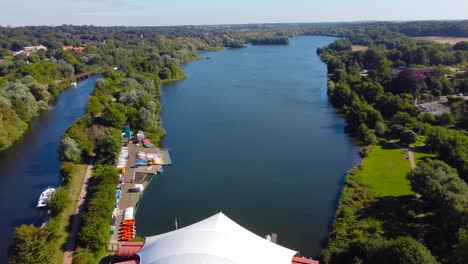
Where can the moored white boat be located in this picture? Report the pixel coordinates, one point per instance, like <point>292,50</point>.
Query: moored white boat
<point>45,197</point>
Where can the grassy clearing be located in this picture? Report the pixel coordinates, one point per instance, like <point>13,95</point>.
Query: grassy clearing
<point>359,48</point>
<point>385,170</point>
<point>65,218</point>
<point>420,152</point>
<point>443,40</point>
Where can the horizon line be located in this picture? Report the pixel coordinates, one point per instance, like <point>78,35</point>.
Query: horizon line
<point>251,24</point>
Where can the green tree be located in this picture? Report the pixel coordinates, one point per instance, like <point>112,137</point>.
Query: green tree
<point>408,137</point>
<point>83,256</point>
<point>113,117</point>
<point>60,201</point>
<point>366,135</point>
<point>461,248</point>
<point>69,150</point>
<point>420,57</point>
<point>30,246</point>
<point>94,106</point>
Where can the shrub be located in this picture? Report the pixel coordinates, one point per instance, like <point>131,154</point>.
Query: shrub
<point>60,201</point>
<point>30,245</point>
<point>83,256</point>
<point>69,150</point>
<point>408,137</point>
<point>67,170</point>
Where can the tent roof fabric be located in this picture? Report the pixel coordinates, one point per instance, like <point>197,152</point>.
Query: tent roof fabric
<point>218,240</point>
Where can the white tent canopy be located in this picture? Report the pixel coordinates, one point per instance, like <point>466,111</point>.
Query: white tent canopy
<point>215,240</point>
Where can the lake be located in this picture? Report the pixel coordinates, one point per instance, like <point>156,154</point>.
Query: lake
<point>32,164</point>
<point>252,134</point>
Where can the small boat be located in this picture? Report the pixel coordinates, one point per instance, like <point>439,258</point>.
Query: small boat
<point>160,170</point>
<point>73,84</point>
<point>45,197</point>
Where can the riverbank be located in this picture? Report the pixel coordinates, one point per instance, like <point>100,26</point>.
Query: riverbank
<point>376,200</point>
<point>31,165</point>
<point>68,218</point>
<point>15,130</point>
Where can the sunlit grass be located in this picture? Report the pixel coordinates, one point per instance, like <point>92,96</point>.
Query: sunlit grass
<point>385,170</point>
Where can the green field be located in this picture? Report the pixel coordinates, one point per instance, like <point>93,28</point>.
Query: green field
<point>385,170</point>
<point>420,153</point>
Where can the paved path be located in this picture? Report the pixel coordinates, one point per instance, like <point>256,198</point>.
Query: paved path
<point>411,159</point>
<point>68,255</point>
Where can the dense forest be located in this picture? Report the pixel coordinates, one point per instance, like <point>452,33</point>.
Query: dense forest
<point>376,90</point>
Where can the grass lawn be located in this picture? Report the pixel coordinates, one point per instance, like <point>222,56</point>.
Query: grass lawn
<point>420,153</point>
<point>75,188</point>
<point>385,170</point>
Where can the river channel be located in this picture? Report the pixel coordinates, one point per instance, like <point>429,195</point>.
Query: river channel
<point>32,164</point>
<point>252,134</point>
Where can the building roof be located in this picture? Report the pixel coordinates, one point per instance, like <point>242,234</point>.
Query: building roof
<point>298,260</point>
<point>218,240</point>
<point>128,250</point>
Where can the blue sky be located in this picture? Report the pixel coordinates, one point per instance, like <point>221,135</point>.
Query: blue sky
<point>199,12</point>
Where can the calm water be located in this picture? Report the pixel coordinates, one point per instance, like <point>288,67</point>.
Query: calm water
<point>32,164</point>
<point>251,134</point>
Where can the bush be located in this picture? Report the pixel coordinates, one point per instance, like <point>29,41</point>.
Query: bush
<point>366,135</point>
<point>365,151</point>
<point>60,201</point>
<point>30,246</point>
<point>94,233</point>
<point>113,117</point>
<point>83,256</point>
<point>380,251</point>
<point>67,170</point>
<point>408,137</point>
<point>69,150</point>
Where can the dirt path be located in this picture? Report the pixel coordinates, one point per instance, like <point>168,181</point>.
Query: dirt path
<point>410,153</point>
<point>68,255</point>
<point>411,159</point>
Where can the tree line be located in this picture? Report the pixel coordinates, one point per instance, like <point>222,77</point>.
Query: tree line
<point>376,90</point>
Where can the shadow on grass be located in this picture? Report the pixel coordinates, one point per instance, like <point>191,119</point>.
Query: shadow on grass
<point>109,259</point>
<point>396,214</point>
<point>387,145</point>
<point>68,230</point>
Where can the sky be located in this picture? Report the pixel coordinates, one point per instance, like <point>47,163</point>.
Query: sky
<point>209,12</point>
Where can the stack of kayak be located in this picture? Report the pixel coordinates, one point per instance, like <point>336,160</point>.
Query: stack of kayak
<point>127,229</point>
<point>118,194</point>
<point>123,157</point>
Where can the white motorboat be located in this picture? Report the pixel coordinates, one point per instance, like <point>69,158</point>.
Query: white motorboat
<point>45,197</point>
